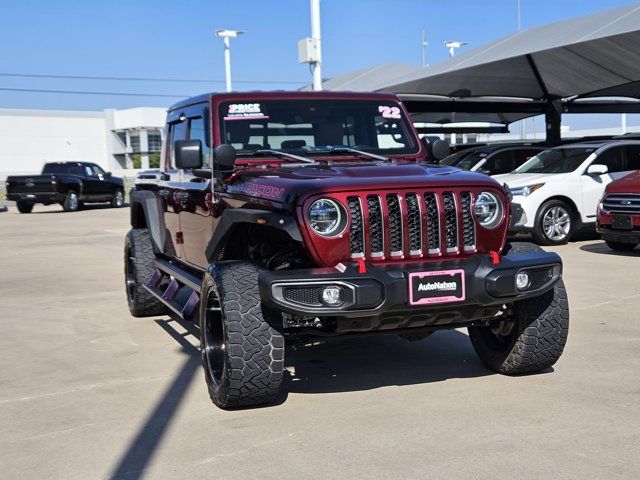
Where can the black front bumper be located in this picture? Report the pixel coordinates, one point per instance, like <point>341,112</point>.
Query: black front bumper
<point>622,236</point>
<point>379,298</point>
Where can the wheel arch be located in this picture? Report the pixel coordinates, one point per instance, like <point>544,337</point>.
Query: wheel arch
<point>569,202</point>
<point>147,211</point>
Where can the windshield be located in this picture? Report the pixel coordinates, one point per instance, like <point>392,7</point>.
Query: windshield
<point>291,125</point>
<point>556,160</point>
<point>470,161</point>
<point>455,158</point>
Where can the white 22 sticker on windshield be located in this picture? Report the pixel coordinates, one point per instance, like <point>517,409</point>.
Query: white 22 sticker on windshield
<point>389,112</point>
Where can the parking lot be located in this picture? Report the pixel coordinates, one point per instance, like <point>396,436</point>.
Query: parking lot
<point>90,392</point>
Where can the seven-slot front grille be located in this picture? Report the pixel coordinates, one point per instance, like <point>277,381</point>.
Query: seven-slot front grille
<point>411,224</point>
<point>622,203</point>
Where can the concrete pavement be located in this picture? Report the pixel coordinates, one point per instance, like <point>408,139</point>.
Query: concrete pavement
<point>89,392</point>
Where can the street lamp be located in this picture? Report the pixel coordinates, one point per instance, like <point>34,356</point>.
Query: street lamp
<point>226,35</point>
<point>452,45</point>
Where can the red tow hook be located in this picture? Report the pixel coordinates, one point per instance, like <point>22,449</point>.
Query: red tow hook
<point>495,257</point>
<point>362,267</point>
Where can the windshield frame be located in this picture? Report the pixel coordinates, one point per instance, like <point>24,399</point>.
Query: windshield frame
<point>415,150</point>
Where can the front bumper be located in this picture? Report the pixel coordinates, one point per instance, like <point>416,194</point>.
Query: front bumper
<point>379,298</point>
<point>36,197</point>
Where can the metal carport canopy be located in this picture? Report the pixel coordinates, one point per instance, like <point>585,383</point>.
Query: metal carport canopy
<point>595,54</point>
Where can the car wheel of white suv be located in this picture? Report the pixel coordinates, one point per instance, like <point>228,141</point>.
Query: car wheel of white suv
<point>555,223</point>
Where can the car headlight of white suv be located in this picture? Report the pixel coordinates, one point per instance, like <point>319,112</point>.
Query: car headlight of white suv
<point>525,191</point>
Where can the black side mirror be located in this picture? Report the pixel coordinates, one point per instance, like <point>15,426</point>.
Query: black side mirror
<point>108,174</point>
<point>224,156</point>
<point>188,154</point>
<point>436,149</point>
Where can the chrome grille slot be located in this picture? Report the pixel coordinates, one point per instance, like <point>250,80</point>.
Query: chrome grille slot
<point>415,223</point>
<point>433,223</point>
<point>394,212</point>
<point>622,203</point>
<point>356,232</point>
<point>450,222</point>
<point>468,226</point>
<point>376,225</point>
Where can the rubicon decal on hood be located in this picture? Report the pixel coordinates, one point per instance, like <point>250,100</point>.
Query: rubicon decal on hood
<point>258,190</point>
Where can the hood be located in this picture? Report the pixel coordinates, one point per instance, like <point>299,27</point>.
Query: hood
<point>514,180</point>
<point>627,184</point>
<point>293,185</point>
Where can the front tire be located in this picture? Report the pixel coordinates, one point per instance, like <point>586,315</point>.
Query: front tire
<point>532,337</point>
<point>24,207</point>
<point>242,354</point>
<point>620,246</point>
<point>555,223</point>
<point>71,201</point>
<point>138,268</point>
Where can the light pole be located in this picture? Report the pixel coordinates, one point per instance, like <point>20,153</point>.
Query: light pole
<point>424,49</point>
<point>310,48</point>
<point>452,45</point>
<point>226,36</point>
<point>523,133</point>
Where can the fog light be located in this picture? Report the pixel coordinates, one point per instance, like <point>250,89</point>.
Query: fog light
<point>332,295</point>
<point>522,280</point>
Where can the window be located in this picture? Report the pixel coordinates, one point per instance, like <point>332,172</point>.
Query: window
<point>556,160</point>
<point>68,168</point>
<point>198,131</point>
<point>633,157</point>
<point>178,132</point>
<point>501,162</point>
<point>521,156</point>
<point>135,142</point>
<point>612,158</point>
<point>155,142</point>
<point>95,169</point>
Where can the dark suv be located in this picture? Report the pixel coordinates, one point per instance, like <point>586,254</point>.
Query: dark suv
<point>310,216</point>
<point>492,159</point>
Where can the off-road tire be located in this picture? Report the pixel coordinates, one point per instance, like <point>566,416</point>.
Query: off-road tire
<point>117,202</point>
<point>68,205</point>
<point>138,268</point>
<point>242,354</point>
<point>24,207</point>
<point>540,236</point>
<point>620,246</point>
<point>538,333</point>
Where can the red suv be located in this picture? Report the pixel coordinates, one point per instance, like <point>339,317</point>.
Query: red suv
<point>619,213</point>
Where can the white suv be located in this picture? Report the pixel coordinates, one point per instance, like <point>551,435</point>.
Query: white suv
<point>559,189</point>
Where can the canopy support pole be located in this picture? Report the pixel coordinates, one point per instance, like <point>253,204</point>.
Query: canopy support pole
<point>553,120</point>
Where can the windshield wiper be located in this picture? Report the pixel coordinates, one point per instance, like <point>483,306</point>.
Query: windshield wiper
<point>283,155</point>
<point>359,153</point>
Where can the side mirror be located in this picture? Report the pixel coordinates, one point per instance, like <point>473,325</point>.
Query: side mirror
<point>597,169</point>
<point>224,156</point>
<point>188,154</point>
<point>108,174</point>
<point>436,149</point>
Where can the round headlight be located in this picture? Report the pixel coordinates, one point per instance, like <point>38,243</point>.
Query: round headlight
<point>325,217</point>
<point>488,210</point>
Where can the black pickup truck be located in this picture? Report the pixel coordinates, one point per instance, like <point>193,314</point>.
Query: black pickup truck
<point>68,183</point>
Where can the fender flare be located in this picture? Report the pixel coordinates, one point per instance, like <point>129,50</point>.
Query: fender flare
<point>232,217</point>
<point>153,211</point>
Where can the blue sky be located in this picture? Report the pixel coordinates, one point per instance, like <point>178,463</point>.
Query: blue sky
<point>175,40</point>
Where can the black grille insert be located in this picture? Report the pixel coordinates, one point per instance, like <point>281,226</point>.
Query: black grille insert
<point>376,227</point>
<point>415,223</point>
<point>468,227</point>
<point>356,233</point>
<point>433,222</point>
<point>395,223</point>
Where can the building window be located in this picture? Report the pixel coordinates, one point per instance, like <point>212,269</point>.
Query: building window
<point>135,142</point>
<point>155,142</point>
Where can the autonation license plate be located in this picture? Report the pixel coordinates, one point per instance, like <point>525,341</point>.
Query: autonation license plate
<point>621,222</point>
<point>436,287</point>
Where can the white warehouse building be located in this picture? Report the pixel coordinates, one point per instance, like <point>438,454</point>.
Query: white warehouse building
<point>116,140</point>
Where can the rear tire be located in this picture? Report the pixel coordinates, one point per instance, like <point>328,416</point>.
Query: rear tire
<point>138,268</point>
<point>117,200</point>
<point>71,202</point>
<point>555,223</point>
<point>242,354</point>
<point>533,337</point>
<point>24,207</point>
<point>620,246</point>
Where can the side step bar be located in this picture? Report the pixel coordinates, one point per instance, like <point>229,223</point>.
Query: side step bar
<point>178,289</point>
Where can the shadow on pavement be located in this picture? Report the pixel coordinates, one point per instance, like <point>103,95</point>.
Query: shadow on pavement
<point>374,362</point>
<point>140,451</point>
<point>601,248</point>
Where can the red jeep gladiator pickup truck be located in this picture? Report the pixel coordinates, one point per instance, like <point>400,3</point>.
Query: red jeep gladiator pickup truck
<point>619,213</point>
<point>308,216</point>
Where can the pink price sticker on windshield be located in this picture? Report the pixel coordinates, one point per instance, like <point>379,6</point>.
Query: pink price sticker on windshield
<point>389,112</point>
